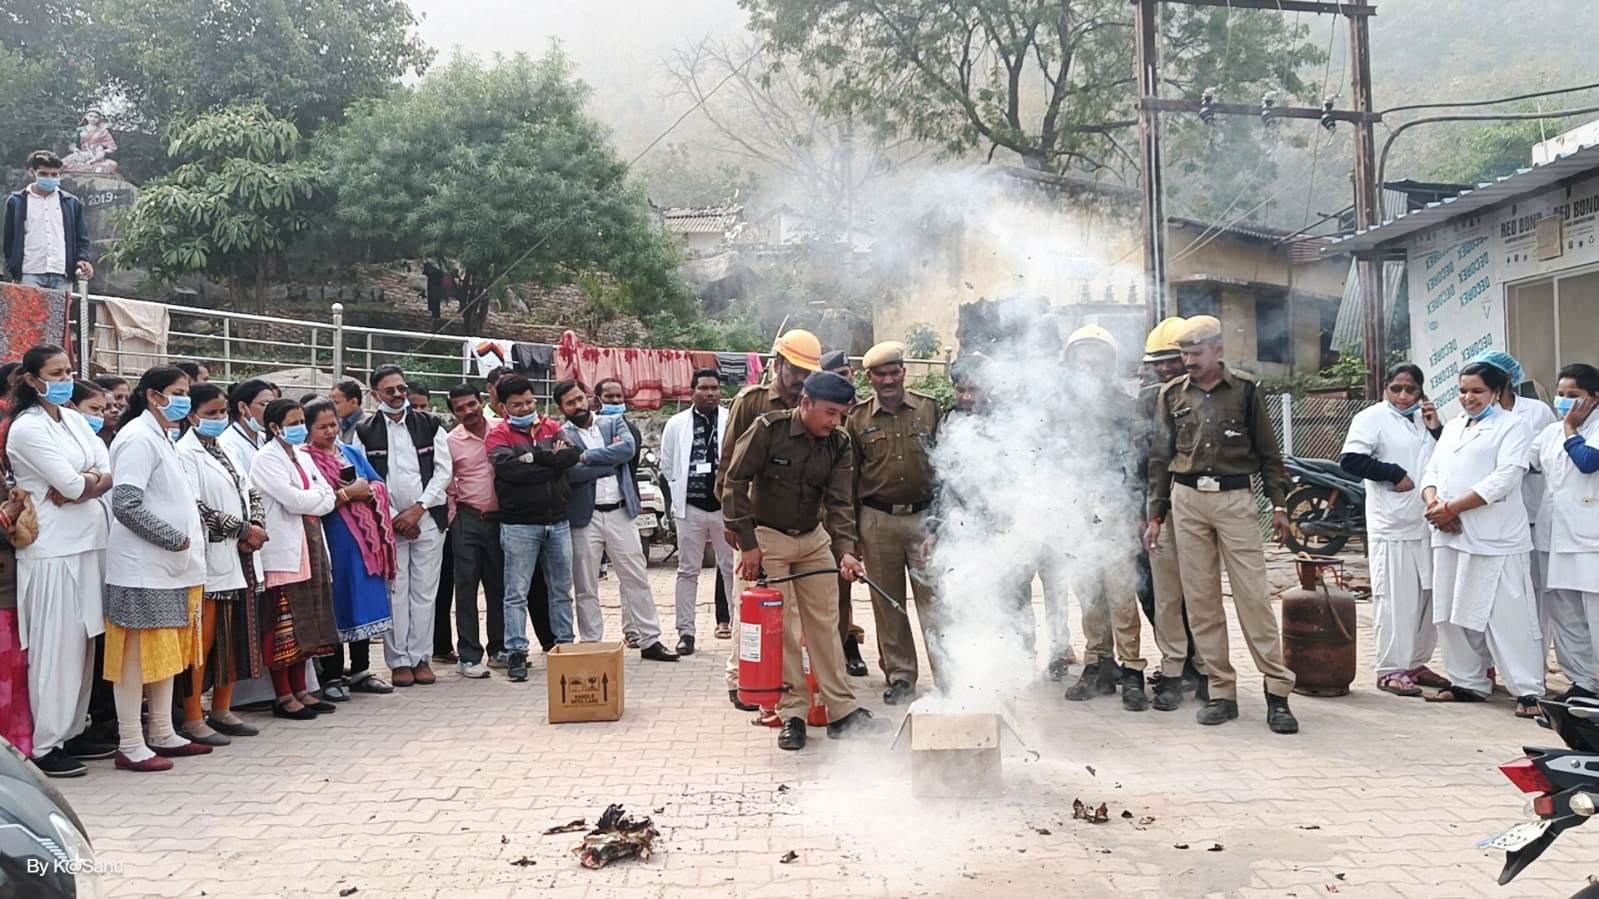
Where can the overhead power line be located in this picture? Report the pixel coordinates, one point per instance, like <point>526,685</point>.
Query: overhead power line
<point>1461,104</point>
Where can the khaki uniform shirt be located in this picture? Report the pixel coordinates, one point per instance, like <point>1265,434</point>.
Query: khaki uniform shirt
<point>891,462</point>
<point>750,404</point>
<point>1223,431</point>
<point>783,478</point>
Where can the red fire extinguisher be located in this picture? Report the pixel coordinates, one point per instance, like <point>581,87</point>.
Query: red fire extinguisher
<point>816,716</point>
<point>760,646</point>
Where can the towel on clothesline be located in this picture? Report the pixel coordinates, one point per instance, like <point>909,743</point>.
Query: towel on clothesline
<point>487,354</point>
<point>138,336</point>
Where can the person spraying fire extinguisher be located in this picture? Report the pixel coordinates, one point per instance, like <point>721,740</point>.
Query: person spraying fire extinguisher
<point>786,496</point>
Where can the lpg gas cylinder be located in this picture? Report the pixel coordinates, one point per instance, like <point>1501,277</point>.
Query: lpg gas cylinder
<point>1319,631</point>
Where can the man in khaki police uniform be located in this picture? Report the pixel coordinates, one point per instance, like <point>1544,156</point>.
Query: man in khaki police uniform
<point>837,362</point>
<point>791,471</point>
<point>891,434</point>
<point>1163,362</point>
<point>795,355</point>
<point>1104,473</point>
<point>1212,433</point>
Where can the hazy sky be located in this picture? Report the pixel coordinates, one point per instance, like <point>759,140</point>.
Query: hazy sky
<point>618,46</point>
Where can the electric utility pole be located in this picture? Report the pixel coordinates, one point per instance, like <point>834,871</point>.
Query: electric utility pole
<point>1362,117</point>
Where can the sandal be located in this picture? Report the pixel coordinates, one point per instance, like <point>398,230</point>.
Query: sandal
<point>1426,677</point>
<point>1456,694</point>
<point>724,631</point>
<point>1399,683</point>
<point>367,682</point>
<point>336,690</point>
<point>1527,707</point>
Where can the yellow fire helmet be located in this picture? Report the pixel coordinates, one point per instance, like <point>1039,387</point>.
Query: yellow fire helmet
<point>1090,332</point>
<point>801,348</point>
<point>1162,340</point>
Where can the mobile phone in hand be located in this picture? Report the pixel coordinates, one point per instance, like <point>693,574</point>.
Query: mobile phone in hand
<point>347,474</point>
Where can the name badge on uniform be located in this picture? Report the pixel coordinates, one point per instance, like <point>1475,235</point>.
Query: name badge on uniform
<point>778,461</point>
<point>1207,484</point>
<point>702,468</point>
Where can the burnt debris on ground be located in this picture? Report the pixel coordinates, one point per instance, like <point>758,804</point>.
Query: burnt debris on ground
<point>616,836</point>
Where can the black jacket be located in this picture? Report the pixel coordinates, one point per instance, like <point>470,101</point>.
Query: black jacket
<point>530,475</point>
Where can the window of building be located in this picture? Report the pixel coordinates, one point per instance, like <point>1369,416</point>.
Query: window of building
<point>1274,333</point>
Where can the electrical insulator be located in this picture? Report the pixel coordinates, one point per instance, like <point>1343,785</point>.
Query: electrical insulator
<point>1327,120</point>
<point>1268,109</point>
<point>1207,108</point>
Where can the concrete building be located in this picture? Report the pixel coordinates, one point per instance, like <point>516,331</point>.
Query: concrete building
<point>1079,245</point>
<point>1512,265</point>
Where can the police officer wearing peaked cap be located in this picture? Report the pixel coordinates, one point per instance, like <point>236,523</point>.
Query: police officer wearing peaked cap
<point>891,435</point>
<point>1212,434</point>
<point>837,362</point>
<point>787,498</point>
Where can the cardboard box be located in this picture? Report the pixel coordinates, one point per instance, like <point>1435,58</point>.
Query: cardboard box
<point>955,754</point>
<point>585,682</point>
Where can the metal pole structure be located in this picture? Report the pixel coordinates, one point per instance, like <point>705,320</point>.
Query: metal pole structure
<point>338,341</point>
<point>83,327</point>
<point>1368,270</point>
<point>1144,19</point>
<point>1288,424</point>
<point>227,349</point>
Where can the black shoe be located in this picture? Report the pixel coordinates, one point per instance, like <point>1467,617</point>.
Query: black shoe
<point>85,748</point>
<point>1278,717</point>
<point>854,665</point>
<point>898,692</point>
<point>1168,694</point>
<point>233,730</point>
<point>1134,699</point>
<point>1110,677</point>
<point>1059,668</point>
<point>685,645</point>
<point>857,722</point>
<point>56,763</point>
<point>516,667</point>
<point>792,736</point>
<point>740,704</point>
<point>306,713</point>
<point>1084,688</point>
<point>1217,711</point>
<point>657,652</point>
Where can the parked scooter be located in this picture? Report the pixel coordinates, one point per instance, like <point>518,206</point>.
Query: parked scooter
<point>1564,783</point>
<point>654,521</point>
<point>1325,507</point>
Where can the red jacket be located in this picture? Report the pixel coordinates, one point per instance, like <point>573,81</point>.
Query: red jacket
<point>530,472</point>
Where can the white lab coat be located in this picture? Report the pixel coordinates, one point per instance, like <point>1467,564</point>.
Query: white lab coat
<point>45,453</point>
<point>143,456</point>
<point>1488,458</point>
<point>285,501</point>
<point>1536,415</point>
<point>1382,433</point>
<point>677,445</point>
<point>215,487</point>
<point>1568,517</point>
<point>242,443</point>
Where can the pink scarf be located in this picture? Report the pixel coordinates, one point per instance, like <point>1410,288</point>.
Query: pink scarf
<point>370,526</point>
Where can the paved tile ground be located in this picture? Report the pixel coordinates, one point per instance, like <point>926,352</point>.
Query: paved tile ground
<point>443,790</point>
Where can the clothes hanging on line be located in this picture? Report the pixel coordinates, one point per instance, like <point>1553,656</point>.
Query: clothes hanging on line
<point>487,354</point>
<point>535,361</point>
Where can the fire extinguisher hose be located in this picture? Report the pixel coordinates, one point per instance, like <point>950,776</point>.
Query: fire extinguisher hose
<point>765,581</point>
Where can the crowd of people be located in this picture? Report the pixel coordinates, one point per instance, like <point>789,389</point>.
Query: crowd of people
<point>173,539</point>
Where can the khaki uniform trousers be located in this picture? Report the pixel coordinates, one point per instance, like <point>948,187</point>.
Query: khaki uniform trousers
<point>891,545</point>
<point>1212,528</point>
<point>810,607</point>
<point>1110,614</point>
<point>1170,635</point>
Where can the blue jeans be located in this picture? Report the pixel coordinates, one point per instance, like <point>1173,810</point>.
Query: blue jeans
<point>48,282</point>
<point>523,544</point>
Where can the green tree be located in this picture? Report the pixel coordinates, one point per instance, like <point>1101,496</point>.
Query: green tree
<point>48,80</point>
<point>239,195</point>
<point>1493,150</point>
<point>1051,81</point>
<point>305,60</point>
<point>497,171</point>
<point>922,341</point>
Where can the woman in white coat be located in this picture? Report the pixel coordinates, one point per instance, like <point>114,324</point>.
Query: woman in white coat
<point>155,571</point>
<point>298,578</point>
<point>1569,519</point>
<point>1389,445</point>
<point>59,461</point>
<point>245,433</point>
<point>1482,579</point>
<point>235,528</point>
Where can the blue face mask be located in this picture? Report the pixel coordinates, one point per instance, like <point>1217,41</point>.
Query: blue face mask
<point>1486,411</point>
<point>1406,410</point>
<point>523,421</point>
<point>212,427</point>
<point>613,408</point>
<point>254,425</point>
<point>48,185</point>
<point>294,434</point>
<point>397,408</point>
<point>96,422</point>
<point>58,392</point>
<point>176,408</point>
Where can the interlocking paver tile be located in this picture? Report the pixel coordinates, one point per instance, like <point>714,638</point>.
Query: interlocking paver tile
<point>434,791</point>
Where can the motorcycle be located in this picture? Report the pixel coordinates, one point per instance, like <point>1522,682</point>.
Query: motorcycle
<point>1564,782</point>
<point>44,849</point>
<point>654,521</point>
<point>1325,507</point>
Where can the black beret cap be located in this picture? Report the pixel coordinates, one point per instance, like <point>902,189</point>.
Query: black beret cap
<point>830,388</point>
<point>835,360</point>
